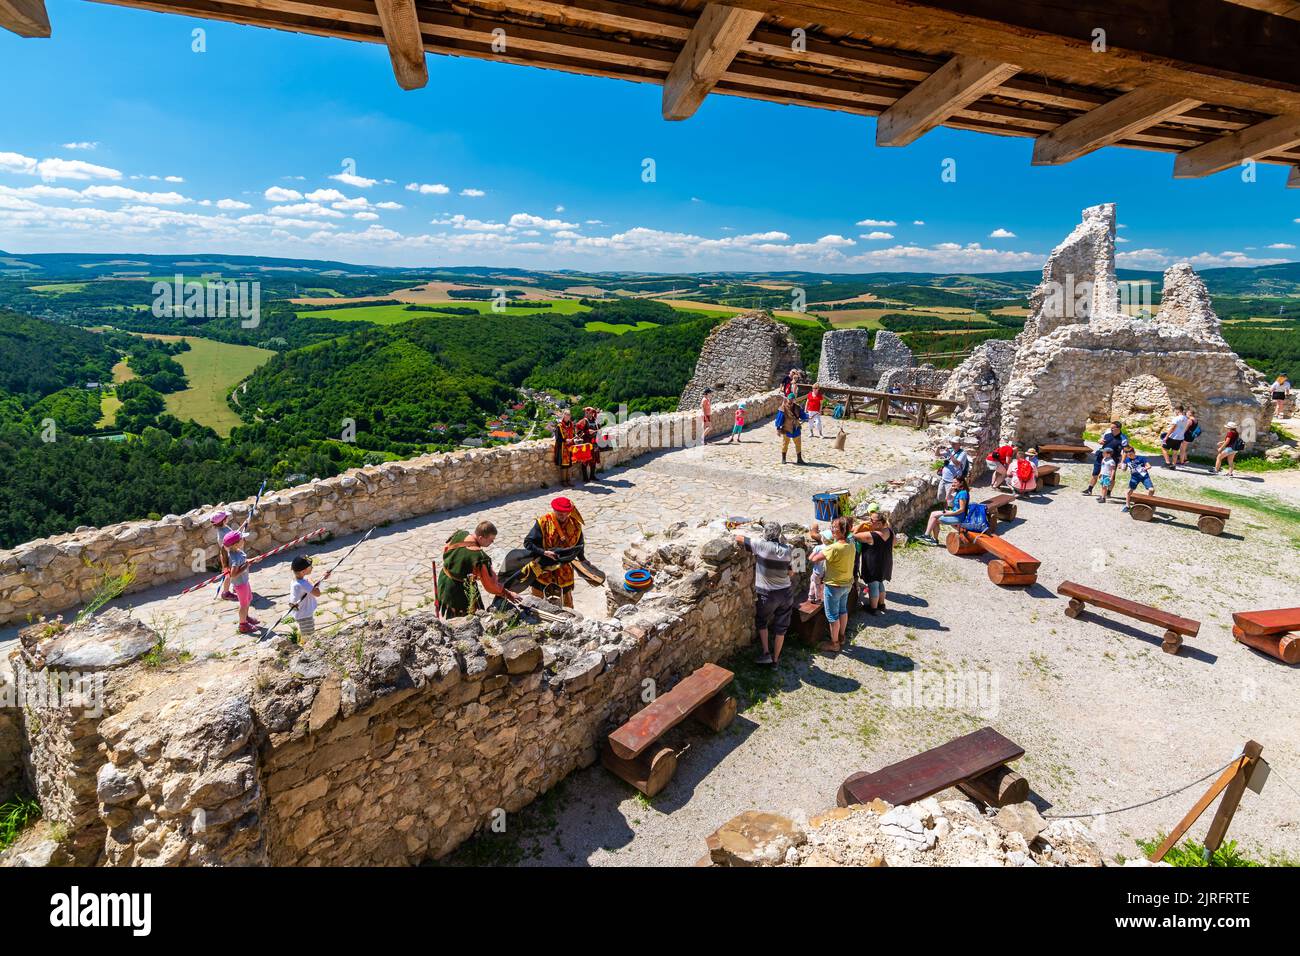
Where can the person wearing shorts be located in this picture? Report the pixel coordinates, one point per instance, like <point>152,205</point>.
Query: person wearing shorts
<point>1172,440</point>
<point>1107,477</point>
<point>1115,440</point>
<point>838,557</point>
<point>774,590</point>
<point>1139,473</point>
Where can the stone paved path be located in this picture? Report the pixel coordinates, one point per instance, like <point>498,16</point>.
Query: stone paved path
<point>390,574</point>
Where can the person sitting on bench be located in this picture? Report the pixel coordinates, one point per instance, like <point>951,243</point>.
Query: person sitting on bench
<point>1023,475</point>
<point>1115,440</point>
<point>1139,473</point>
<point>960,501</point>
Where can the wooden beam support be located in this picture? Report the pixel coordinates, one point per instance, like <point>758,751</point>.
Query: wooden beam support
<point>1109,123</point>
<point>714,42</point>
<point>954,86</point>
<point>1293,178</point>
<point>27,18</point>
<point>1280,132</point>
<point>401,26</point>
<point>1282,8</point>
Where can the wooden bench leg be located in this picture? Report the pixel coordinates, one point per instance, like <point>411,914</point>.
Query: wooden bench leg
<point>1210,524</point>
<point>993,522</point>
<point>649,773</point>
<point>716,712</point>
<point>1285,647</point>
<point>842,798</point>
<point>1173,642</point>
<point>1004,575</point>
<point>1142,512</point>
<point>1075,608</point>
<point>1007,512</point>
<point>957,543</point>
<point>997,788</point>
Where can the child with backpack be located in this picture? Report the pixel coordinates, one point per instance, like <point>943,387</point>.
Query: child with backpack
<point>1228,448</point>
<point>1023,475</point>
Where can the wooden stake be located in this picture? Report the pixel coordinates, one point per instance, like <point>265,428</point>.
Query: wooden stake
<point>1234,776</point>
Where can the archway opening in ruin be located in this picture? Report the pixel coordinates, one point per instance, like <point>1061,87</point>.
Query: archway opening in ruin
<point>1145,403</point>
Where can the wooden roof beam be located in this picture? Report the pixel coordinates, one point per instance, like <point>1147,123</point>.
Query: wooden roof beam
<point>1283,8</point>
<point>954,86</point>
<point>714,42</point>
<point>1270,136</point>
<point>1109,123</point>
<point>27,18</point>
<point>401,26</point>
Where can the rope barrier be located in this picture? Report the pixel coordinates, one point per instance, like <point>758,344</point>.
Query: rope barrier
<point>1144,803</point>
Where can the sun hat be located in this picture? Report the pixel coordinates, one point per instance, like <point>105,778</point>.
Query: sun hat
<point>1232,424</point>
<point>233,538</point>
<point>219,518</point>
<point>562,505</point>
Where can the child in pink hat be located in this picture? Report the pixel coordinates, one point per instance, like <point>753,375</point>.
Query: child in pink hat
<point>219,525</point>
<point>237,575</point>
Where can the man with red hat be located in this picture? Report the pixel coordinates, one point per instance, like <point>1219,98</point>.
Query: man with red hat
<point>554,542</point>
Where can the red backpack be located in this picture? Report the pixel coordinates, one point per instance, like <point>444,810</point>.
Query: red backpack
<point>1024,469</point>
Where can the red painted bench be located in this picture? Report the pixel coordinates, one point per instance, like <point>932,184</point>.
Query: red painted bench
<point>1211,521</point>
<point>1273,632</point>
<point>1175,627</point>
<point>1077,452</point>
<point>1010,566</point>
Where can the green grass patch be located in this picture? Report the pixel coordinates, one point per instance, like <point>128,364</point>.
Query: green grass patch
<point>212,369</point>
<point>396,314</point>
<point>1190,853</point>
<point>14,817</point>
<point>1265,505</point>
<point>619,329</point>
<point>59,288</point>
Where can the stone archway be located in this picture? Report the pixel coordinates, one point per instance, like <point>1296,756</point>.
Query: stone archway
<point>1144,403</point>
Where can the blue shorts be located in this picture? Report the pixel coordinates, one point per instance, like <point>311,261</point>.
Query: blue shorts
<point>1136,480</point>
<point>737,429</point>
<point>950,519</point>
<point>835,601</point>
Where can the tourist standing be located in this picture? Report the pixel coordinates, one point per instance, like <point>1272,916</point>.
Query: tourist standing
<point>789,424</point>
<point>1227,450</point>
<point>565,432</point>
<point>1190,434</point>
<point>586,436</point>
<point>1281,391</point>
<point>876,538</point>
<point>466,568</point>
<point>219,524</point>
<point>774,589</point>
<point>1108,465</point>
<point>838,558</point>
<point>237,572</point>
<point>706,411</point>
<point>303,595</point>
<point>956,464</point>
<point>814,409</point>
<point>1115,440</point>
<point>739,425</point>
<point>1172,439</point>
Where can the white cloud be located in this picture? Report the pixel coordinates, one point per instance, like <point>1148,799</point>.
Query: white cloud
<point>559,209</point>
<point>389,205</point>
<point>473,193</point>
<point>523,220</point>
<point>1281,245</point>
<point>280,194</point>
<point>1151,258</point>
<point>426,189</point>
<point>353,180</point>
<point>877,234</point>
<point>365,215</point>
<point>1001,233</point>
<point>460,221</point>
<point>82,145</point>
<point>54,169</point>
<point>232,204</point>
<point>918,222</point>
<point>325,195</point>
<point>173,179</point>
<point>26,165</point>
<point>305,209</point>
<point>134,195</point>
<point>875,222</point>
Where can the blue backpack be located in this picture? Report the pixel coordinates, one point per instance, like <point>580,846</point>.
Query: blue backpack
<point>976,519</point>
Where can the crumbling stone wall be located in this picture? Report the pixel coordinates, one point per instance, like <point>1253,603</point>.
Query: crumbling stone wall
<point>11,736</point>
<point>51,574</point>
<point>924,377</point>
<point>979,382</point>
<point>743,356</point>
<point>388,742</point>
<point>1078,343</point>
<point>849,359</point>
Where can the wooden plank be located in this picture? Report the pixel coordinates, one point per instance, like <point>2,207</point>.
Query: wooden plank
<point>1176,504</point>
<point>1198,808</point>
<point>1281,8</point>
<point>401,28</point>
<point>955,85</point>
<point>1108,124</point>
<point>668,710</point>
<point>1284,645</point>
<point>1232,797</point>
<point>1280,132</point>
<point>1119,605</point>
<point>925,774</point>
<point>1267,623</point>
<point>714,42</point>
<point>1021,561</point>
<point>27,18</point>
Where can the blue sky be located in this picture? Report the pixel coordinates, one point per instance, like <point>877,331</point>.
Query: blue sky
<point>117,137</point>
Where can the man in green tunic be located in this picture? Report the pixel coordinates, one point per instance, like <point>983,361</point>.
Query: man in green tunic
<point>465,569</point>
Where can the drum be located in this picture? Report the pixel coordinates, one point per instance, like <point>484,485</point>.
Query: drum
<point>582,452</point>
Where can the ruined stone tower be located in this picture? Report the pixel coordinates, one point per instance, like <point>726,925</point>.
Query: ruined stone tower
<point>744,356</point>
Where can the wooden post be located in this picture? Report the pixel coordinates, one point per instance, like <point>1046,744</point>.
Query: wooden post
<point>1234,776</point>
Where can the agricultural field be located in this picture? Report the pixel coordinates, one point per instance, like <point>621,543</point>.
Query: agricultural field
<point>869,318</point>
<point>396,314</point>
<point>619,329</point>
<point>59,288</point>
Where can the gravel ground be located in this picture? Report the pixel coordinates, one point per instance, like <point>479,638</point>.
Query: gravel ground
<point>1105,717</point>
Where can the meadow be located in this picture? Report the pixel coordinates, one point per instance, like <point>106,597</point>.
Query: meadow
<point>396,314</point>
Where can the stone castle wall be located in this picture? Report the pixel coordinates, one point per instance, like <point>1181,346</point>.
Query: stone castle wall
<point>743,356</point>
<point>387,743</point>
<point>51,574</point>
<point>850,359</point>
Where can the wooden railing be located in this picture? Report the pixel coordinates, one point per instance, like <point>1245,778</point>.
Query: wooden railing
<point>882,407</point>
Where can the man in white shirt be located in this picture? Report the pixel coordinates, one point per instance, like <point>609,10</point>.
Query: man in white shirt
<point>1173,438</point>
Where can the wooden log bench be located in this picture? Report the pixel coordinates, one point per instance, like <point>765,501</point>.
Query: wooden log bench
<point>1049,475</point>
<point>1077,452</point>
<point>1275,633</point>
<point>975,763</point>
<point>1175,627</point>
<point>1211,521</point>
<point>1000,508</point>
<point>1010,566</point>
<point>633,752</point>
